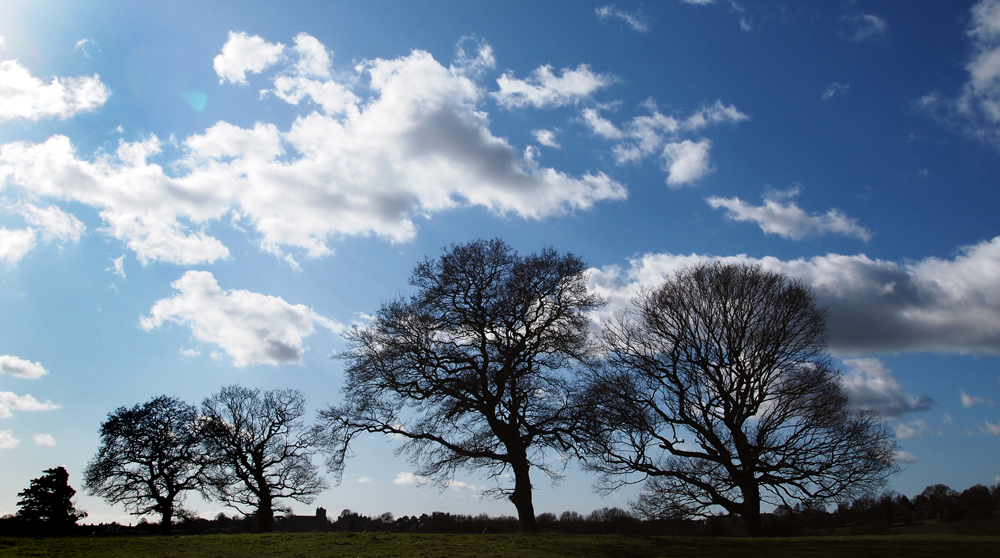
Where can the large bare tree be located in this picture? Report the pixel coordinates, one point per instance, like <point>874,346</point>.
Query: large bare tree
<point>263,450</point>
<point>474,370</point>
<point>150,455</point>
<point>718,390</point>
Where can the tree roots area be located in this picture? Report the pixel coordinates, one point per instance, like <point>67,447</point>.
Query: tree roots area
<point>448,545</point>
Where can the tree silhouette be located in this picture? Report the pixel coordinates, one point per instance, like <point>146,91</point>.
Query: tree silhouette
<point>472,370</point>
<point>264,450</point>
<point>150,455</point>
<point>717,388</point>
<point>49,499</point>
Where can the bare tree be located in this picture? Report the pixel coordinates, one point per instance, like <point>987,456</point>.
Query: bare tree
<point>718,390</point>
<point>150,455</point>
<point>263,450</point>
<point>472,370</point>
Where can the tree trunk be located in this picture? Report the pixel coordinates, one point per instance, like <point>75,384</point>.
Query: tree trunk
<point>265,515</point>
<point>521,497</point>
<point>750,510</point>
<point>166,520</point>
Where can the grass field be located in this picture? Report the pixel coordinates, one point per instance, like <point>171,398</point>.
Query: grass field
<point>500,546</point>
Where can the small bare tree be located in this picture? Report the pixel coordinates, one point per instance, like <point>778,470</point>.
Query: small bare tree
<point>474,371</point>
<point>263,450</point>
<point>150,455</point>
<point>718,390</point>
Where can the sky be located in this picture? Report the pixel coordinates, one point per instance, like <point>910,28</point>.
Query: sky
<point>200,194</point>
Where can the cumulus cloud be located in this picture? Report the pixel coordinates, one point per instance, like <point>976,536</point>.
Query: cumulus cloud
<point>44,440</point>
<point>252,328</point>
<point>25,96</point>
<point>870,385</point>
<point>459,485</point>
<point>978,106</point>
<point>970,401</point>
<point>117,266</point>
<point>835,89</point>
<point>933,304</point>
<point>7,440</point>
<point>684,160</point>
<point>243,53</point>
<point>409,479</point>
<point>20,368</point>
<point>14,244</point>
<point>415,145</point>
<point>546,138</point>
<point>13,402</point>
<point>905,457</point>
<point>866,26</point>
<point>913,429</point>
<point>544,89</point>
<point>788,220</point>
<point>637,21</point>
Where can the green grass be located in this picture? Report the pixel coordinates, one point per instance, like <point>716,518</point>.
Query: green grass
<point>500,546</point>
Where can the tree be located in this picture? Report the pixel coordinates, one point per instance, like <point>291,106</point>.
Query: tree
<point>472,370</point>
<point>264,450</point>
<point>717,389</point>
<point>150,455</point>
<point>49,498</point>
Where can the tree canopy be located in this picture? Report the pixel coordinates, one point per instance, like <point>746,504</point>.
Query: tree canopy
<point>718,389</point>
<point>475,369</point>
<point>263,449</point>
<point>150,455</point>
<point>49,498</point>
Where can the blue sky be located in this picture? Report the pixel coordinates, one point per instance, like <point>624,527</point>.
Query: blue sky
<point>196,195</point>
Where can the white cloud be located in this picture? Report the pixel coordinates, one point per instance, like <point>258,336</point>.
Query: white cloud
<point>906,457</point>
<point>544,89</point>
<point>913,429</point>
<point>117,266</point>
<point>459,485</point>
<point>55,223</point>
<point>243,53</point>
<point>979,104</point>
<point>409,479</point>
<point>932,304</point>
<point>835,89</point>
<point>637,21</point>
<point>44,440</point>
<point>252,328</point>
<point>870,385</point>
<point>12,402</point>
<point>686,161</point>
<point>866,26</point>
<point>83,44</point>
<point>21,368</point>
<point>189,352</point>
<point>970,401</point>
<point>14,244</point>
<point>7,440</point>
<point>365,480</point>
<point>3,43</point>
<point>25,96</point>
<point>656,133</point>
<point>546,138</point>
<point>417,145</point>
<point>788,220</point>
<point>698,2</point>
<point>990,428</point>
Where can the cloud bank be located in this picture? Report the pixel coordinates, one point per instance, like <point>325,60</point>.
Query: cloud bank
<point>949,305</point>
<point>366,158</point>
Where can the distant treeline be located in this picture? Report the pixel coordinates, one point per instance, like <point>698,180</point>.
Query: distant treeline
<point>866,515</point>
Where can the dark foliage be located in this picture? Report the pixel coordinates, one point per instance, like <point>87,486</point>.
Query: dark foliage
<point>49,501</point>
<point>474,370</point>
<point>150,455</point>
